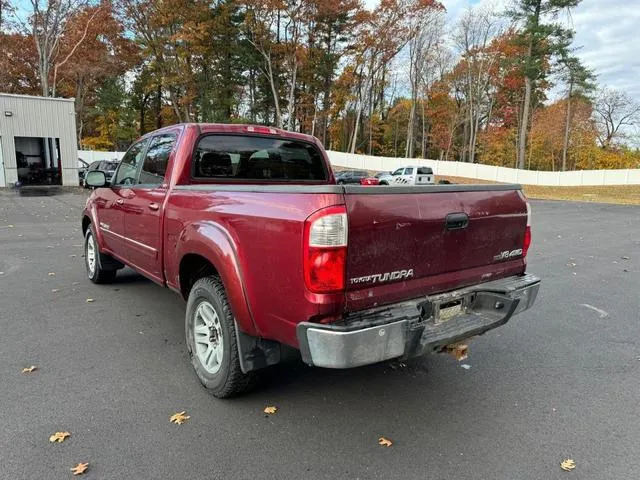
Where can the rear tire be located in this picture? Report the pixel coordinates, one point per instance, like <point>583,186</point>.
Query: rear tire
<point>95,262</point>
<point>211,340</point>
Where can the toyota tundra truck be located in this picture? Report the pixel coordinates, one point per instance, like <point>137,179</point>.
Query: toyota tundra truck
<point>248,225</point>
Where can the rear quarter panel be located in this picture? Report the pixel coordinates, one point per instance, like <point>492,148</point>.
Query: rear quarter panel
<point>254,238</point>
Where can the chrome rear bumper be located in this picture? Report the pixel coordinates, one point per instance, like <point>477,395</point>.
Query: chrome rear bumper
<point>417,326</point>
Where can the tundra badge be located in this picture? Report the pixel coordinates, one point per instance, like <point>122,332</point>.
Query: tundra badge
<point>383,277</point>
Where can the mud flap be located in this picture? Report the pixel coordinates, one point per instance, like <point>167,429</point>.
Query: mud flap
<point>254,352</point>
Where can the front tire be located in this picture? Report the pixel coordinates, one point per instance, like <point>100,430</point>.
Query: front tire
<point>94,260</point>
<point>211,340</point>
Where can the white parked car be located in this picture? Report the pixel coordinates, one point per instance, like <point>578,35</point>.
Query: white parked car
<point>411,175</point>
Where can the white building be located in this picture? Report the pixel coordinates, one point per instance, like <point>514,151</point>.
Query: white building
<point>37,141</point>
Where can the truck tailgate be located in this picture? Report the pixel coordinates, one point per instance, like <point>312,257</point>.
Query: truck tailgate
<point>406,242</point>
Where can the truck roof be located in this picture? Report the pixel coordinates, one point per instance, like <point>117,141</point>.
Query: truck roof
<point>242,128</point>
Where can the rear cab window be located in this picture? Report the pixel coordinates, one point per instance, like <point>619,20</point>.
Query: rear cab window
<point>425,171</point>
<point>229,158</point>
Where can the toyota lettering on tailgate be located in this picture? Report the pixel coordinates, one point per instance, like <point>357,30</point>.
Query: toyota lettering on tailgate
<point>383,277</point>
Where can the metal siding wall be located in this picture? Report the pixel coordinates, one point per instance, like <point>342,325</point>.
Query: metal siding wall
<point>39,117</point>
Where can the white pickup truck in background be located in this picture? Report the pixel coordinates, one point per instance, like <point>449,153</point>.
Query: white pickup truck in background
<point>410,175</point>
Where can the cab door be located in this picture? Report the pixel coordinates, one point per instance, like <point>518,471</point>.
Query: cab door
<point>144,207</point>
<point>110,202</point>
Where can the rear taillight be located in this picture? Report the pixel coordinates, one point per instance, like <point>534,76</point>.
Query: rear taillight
<point>527,233</point>
<point>325,250</point>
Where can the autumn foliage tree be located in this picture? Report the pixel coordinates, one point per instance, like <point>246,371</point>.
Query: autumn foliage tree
<point>392,78</point>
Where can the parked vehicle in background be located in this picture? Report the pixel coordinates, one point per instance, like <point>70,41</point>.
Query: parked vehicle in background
<point>82,170</point>
<point>107,166</point>
<point>369,181</point>
<point>247,224</point>
<point>351,176</point>
<point>410,175</point>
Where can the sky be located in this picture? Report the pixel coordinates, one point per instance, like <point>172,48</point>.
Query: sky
<point>607,32</point>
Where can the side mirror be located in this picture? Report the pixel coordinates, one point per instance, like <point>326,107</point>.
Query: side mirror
<point>95,179</point>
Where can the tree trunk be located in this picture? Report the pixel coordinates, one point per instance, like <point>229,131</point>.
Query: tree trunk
<point>408,151</point>
<point>424,130</point>
<point>528,87</point>
<point>79,107</point>
<point>159,106</point>
<point>522,137</point>
<point>292,98</point>
<point>44,77</point>
<point>354,138</point>
<point>567,127</point>
<point>252,95</point>
<point>274,92</point>
<point>142,105</point>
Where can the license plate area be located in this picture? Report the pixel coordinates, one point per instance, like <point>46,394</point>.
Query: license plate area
<point>448,310</point>
<point>444,309</point>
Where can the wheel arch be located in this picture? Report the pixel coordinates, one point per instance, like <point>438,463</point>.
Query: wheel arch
<point>206,249</point>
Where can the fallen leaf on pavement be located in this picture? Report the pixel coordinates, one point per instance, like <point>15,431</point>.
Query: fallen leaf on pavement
<point>270,410</point>
<point>59,437</point>
<point>385,442</point>
<point>179,418</point>
<point>89,300</point>
<point>625,258</point>
<point>10,226</point>
<point>567,465</point>
<point>52,274</point>
<point>459,351</point>
<point>80,468</point>
<point>30,369</point>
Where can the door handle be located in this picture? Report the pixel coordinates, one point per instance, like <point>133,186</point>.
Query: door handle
<point>154,206</point>
<point>457,221</point>
<point>119,201</point>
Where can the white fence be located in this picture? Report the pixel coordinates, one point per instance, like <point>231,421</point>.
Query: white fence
<point>458,169</point>
<point>490,172</point>
<point>93,156</point>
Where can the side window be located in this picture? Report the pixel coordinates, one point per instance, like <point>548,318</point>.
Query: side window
<point>408,171</point>
<point>157,159</point>
<point>128,172</point>
<point>398,172</point>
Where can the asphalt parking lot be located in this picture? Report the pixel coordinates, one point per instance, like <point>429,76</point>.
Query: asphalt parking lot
<point>560,381</point>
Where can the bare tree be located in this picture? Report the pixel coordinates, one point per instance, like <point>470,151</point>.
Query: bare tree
<point>473,36</point>
<point>261,20</point>
<point>579,80</point>
<point>293,36</point>
<point>384,35</point>
<point>614,111</point>
<point>48,24</point>
<point>427,24</point>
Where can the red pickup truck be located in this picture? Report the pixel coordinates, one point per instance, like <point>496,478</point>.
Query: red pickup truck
<point>248,225</point>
